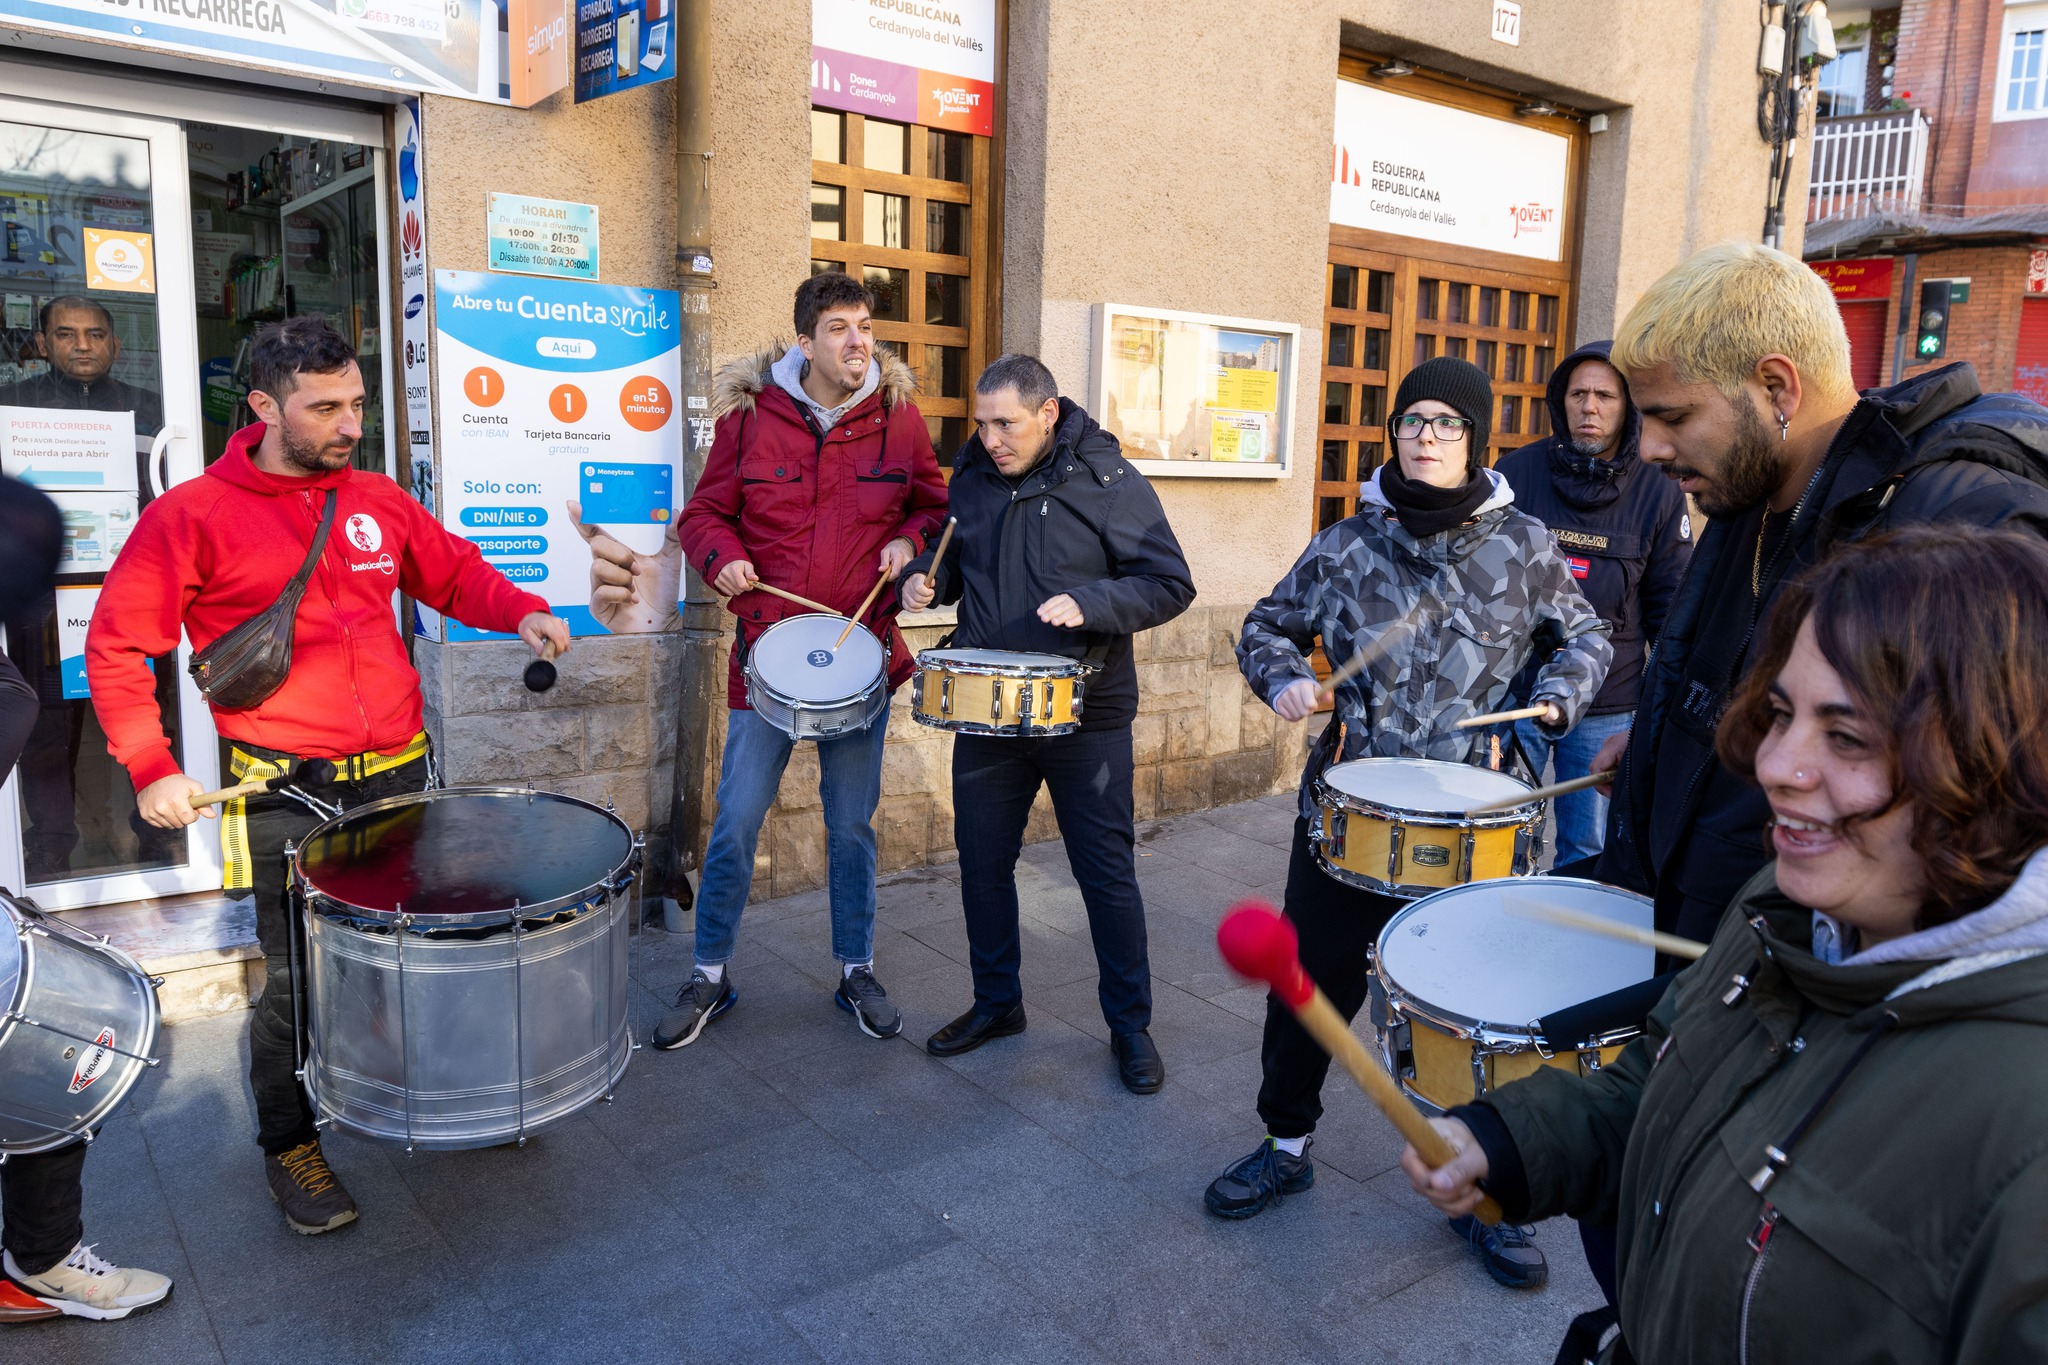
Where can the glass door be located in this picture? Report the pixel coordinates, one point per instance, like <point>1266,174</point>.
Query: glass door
<point>99,406</point>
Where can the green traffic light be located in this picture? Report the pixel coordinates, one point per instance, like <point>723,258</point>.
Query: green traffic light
<point>1929,345</point>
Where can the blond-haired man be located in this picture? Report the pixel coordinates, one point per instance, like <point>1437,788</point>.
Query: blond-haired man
<point>1739,365</point>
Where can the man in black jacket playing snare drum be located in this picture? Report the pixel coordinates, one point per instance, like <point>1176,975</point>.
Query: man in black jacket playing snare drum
<point>1062,548</point>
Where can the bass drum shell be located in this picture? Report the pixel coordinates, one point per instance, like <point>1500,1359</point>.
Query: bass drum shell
<point>471,1028</point>
<point>62,1079</point>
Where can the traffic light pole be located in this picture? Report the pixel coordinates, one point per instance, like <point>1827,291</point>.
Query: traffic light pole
<point>1909,316</point>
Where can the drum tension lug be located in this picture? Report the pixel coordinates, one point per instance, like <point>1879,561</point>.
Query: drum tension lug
<point>156,983</point>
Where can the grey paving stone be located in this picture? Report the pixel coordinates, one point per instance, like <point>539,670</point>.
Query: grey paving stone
<point>772,1212</point>
<point>1269,820</point>
<point>949,1306</point>
<point>419,1311</point>
<point>1188,1029</point>
<point>889,1102</point>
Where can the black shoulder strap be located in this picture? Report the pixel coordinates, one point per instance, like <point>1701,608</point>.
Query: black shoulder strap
<point>299,579</point>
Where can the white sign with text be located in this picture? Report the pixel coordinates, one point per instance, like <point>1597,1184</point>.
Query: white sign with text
<point>1447,175</point>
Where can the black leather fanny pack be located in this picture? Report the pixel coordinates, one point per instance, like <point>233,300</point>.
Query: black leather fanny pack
<point>244,667</point>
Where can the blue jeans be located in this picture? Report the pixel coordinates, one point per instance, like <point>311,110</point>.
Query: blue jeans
<point>1581,815</point>
<point>849,782</point>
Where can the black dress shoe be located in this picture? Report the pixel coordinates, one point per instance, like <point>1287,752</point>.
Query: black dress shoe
<point>974,1028</point>
<point>1137,1062</point>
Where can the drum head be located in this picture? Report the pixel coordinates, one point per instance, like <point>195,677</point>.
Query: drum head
<point>1422,784</point>
<point>1465,953</point>
<point>796,658</point>
<point>459,852</point>
<point>996,658</point>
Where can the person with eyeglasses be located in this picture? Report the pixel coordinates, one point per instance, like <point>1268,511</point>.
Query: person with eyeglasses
<point>1445,584</point>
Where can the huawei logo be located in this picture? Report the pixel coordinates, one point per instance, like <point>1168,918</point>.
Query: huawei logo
<point>409,234</point>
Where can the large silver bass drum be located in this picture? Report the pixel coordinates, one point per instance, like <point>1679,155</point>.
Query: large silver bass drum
<point>465,963</point>
<point>80,1023</point>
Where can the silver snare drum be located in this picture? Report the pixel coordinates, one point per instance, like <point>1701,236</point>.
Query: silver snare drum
<point>465,963</point>
<point>799,683</point>
<point>81,1021</point>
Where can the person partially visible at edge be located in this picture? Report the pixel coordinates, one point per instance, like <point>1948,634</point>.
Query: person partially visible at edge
<point>76,335</point>
<point>1062,548</point>
<point>50,1268</point>
<point>1738,363</point>
<point>820,479</point>
<point>219,549</point>
<point>1827,1144</point>
<point>1627,537</point>
<point>1446,584</point>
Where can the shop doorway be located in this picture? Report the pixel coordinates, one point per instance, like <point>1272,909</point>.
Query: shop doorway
<point>140,251</point>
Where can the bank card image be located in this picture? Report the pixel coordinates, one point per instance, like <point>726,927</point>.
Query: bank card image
<point>627,494</point>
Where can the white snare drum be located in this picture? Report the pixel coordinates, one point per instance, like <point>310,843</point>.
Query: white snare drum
<point>1466,981</point>
<point>998,692</point>
<point>81,1018</point>
<point>799,683</point>
<point>1398,825</point>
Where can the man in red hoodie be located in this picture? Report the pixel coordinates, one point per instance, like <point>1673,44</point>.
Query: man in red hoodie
<point>215,551</point>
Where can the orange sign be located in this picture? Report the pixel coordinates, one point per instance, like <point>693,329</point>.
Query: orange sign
<point>645,403</point>
<point>124,262</point>
<point>483,386</point>
<point>1865,279</point>
<point>567,403</point>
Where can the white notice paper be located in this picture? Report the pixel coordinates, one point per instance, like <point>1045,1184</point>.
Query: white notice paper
<point>69,448</point>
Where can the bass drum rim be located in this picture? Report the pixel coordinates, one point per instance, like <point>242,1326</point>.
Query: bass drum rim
<point>583,901</point>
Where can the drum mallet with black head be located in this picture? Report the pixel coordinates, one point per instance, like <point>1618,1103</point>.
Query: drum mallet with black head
<point>540,674</point>
<point>311,772</point>
<point>1259,943</point>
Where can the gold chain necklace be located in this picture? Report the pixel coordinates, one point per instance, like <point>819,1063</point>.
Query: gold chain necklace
<point>1756,565</point>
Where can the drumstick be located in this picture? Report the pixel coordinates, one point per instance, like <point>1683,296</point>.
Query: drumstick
<point>1360,661</point>
<point>1689,949</point>
<point>1495,717</point>
<point>314,772</point>
<point>931,575</point>
<point>862,609</point>
<point>1258,943</point>
<point>773,591</point>
<point>1544,793</point>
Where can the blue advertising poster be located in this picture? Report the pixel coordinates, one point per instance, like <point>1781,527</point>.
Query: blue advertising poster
<point>561,445</point>
<point>622,44</point>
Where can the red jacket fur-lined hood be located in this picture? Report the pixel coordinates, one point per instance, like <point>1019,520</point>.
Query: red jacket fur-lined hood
<point>218,549</point>
<point>811,507</point>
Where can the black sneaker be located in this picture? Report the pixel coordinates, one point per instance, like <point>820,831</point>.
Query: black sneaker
<point>312,1199</point>
<point>697,1004</point>
<point>1260,1179</point>
<point>861,996</point>
<point>1507,1251</point>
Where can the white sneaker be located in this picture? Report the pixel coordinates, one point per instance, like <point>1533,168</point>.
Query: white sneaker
<point>85,1286</point>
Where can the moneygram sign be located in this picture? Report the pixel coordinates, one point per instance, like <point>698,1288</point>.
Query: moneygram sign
<point>1426,170</point>
<point>911,61</point>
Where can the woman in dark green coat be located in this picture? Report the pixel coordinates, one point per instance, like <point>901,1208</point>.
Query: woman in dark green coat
<point>1831,1142</point>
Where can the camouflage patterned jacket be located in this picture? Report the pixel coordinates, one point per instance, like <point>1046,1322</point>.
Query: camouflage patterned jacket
<point>1453,616</point>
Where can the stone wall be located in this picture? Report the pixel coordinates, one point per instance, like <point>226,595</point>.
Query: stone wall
<point>1200,739</point>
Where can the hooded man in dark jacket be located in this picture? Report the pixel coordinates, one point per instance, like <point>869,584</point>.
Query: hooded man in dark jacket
<point>1062,548</point>
<point>1738,363</point>
<point>1627,538</point>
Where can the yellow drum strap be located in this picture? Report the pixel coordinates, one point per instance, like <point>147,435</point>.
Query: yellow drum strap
<point>244,766</point>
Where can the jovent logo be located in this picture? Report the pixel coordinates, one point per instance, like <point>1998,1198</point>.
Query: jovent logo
<point>1531,217</point>
<point>958,101</point>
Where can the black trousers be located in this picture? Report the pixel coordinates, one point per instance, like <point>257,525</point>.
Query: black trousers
<point>1089,775</point>
<point>1338,925</point>
<point>284,1118</point>
<point>41,1203</point>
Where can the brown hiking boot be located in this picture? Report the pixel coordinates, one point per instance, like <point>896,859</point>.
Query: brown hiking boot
<point>312,1199</point>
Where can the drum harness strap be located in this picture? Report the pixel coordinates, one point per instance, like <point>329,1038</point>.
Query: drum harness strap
<point>254,761</point>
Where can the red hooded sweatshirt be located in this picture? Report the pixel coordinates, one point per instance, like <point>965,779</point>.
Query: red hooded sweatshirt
<point>217,549</point>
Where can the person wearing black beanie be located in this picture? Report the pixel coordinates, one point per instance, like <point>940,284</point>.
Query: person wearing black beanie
<point>1444,584</point>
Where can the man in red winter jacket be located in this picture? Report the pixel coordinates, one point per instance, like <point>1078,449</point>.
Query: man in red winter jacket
<point>821,478</point>
<point>215,551</point>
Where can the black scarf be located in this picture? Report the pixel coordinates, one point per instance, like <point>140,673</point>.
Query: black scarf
<point>1423,508</point>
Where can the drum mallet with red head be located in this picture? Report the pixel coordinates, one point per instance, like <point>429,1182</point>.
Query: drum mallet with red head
<point>540,674</point>
<point>312,772</point>
<point>1259,943</point>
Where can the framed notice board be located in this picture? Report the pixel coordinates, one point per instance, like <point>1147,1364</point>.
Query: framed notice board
<point>1193,394</point>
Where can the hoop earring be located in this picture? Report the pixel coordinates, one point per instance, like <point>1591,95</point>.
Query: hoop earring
<point>1784,427</point>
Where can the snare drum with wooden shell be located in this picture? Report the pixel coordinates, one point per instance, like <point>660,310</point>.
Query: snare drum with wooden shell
<point>1400,827</point>
<point>998,692</point>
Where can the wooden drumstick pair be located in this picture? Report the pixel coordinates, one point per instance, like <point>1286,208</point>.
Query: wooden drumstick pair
<point>874,592</point>
<point>1260,944</point>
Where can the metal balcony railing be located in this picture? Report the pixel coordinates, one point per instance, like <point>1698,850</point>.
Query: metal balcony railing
<point>1869,163</point>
